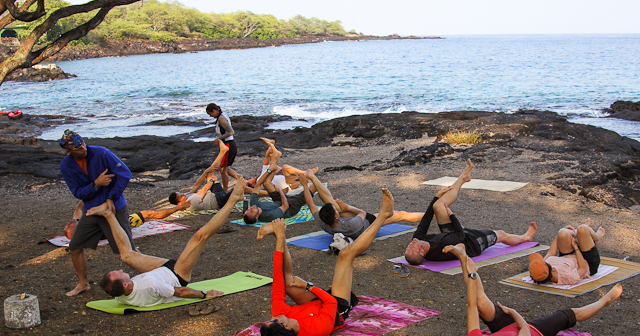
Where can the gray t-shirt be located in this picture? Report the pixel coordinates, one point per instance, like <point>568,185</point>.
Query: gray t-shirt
<point>351,227</point>
<point>208,203</point>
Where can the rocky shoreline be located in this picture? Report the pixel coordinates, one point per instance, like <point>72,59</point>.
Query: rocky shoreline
<point>582,159</point>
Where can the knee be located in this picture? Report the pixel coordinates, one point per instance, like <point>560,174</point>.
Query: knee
<point>583,230</point>
<point>565,234</point>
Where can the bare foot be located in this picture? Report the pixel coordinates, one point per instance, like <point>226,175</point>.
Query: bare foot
<point>533,228</point>
<point>613,294</point>
<point>600,233</point>
<point>238,191</point>
<point>100,210</point>
<point>466,174</point>
<point>79,289</point>
<point>386,210</point>
<point>268,141</point>
<point>264,231</point>
<point>587,222</point>
<point>314,170</point>
<point>458,250</point>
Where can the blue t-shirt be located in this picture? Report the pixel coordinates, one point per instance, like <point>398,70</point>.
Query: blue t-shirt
<point>270,210</point>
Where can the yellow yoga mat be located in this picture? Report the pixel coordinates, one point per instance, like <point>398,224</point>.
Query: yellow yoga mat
<point>626,269</point>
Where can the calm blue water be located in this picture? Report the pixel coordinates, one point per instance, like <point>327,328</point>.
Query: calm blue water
<point>574,75</point>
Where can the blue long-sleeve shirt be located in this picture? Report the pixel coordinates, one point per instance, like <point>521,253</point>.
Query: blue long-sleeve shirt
<point>81,185</point>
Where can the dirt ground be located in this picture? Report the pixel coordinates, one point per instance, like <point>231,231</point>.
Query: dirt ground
<point>35,208</point>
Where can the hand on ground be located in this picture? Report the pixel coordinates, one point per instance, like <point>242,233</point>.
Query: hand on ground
<point>214,293</point>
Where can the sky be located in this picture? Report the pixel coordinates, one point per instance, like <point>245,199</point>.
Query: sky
<point>450,17</point>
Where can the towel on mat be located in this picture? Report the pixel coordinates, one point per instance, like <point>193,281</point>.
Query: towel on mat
<point>624,270</point>
<point>150,228</point>
<point>320,240</point>
<point>494,254</point>
<point>234,283</point>
<point>372,316</point>
<point>492,185</point>
<point>304,215</point>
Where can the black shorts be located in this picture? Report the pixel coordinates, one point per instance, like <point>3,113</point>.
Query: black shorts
<point>296,202</point>
<point>228,159</point>
<point>592,257</point>
<point>221,196</point>
<point>476,241</point>
<point>548,326</point>
<point>370,218</point>
<point>91,229</point>
<point>344,308</point>
<point>170,265</point>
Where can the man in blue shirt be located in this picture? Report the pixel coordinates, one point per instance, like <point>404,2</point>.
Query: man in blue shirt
<point>96,176</point>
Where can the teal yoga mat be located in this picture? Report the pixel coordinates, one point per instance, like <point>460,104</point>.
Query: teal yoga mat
<point>234,283</point>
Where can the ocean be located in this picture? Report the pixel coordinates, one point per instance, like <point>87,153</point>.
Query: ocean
<point>573,75</point>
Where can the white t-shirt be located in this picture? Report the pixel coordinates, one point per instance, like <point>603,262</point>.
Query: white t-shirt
<point>208,203</point>
<point>152,288</point>
<point>278,180</point>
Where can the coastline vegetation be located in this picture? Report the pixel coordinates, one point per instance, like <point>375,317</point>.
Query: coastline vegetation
<point>462,137</point>
<point>169,21</point>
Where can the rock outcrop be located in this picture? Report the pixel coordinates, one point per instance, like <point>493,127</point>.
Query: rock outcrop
<point>625,110</point>
<point>583,159</point>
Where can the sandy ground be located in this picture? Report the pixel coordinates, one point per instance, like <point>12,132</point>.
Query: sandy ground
<point>35,208</point>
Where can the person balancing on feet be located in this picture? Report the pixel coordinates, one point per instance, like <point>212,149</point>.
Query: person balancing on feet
<point>429,246</point>
<point>316,312</point>
<point>505,321</point>
<point>160,280</point>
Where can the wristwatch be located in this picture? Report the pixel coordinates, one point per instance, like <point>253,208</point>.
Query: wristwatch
<point>204,293</point>
<point>211,180</point>
<point>269,171</point>
<point>95,186</point>
<point>473,275</point>
<point>309,285</point>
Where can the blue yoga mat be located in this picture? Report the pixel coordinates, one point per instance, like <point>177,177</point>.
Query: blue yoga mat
<point>320,240</point>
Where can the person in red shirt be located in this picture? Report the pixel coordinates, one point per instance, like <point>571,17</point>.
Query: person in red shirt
<point>316,312</point>
<point>504,321</point>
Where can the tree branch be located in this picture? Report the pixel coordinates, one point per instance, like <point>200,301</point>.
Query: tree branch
<point>22,14</point>
<point>74,34</point>
<point>7,19</point>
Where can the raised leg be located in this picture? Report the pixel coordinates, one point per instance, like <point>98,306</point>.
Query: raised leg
<point>449,197</point>
<point>80,264</point>
<point>140,262</point>
<point>587,238</point>
<point>191,253</point>
<point>486,309</point>
<point>323,192</point>
<point>588,311</point>
<point>412,217</point>
<point>564,239</point>
<point>343,274</point>
<point>511,239</point>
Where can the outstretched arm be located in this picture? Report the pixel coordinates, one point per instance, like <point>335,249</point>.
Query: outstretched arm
<point>283,199</point>
<point>160,214</point>
<point>186,292</point>
<point>200,181</point>
<point>210,181</point>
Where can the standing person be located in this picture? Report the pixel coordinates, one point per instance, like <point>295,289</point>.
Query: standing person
<point>96,176</point>
<point>225,134</point>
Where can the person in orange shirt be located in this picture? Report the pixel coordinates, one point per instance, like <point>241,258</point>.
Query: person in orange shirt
<point>316,312</point>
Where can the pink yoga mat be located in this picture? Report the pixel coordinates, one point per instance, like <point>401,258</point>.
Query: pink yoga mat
<point>373,316</point>
<point>496,250</point>
<point>150,228</point>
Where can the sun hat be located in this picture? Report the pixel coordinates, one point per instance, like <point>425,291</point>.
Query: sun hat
<point>71,140</point>
<point>538,268</point>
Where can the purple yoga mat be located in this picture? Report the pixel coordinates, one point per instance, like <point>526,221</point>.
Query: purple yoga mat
<point>496,250</point>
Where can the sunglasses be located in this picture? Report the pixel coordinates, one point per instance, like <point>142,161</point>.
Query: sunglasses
<point>277,322</point>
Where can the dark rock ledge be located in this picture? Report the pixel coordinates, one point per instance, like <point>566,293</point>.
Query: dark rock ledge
<point>587,160</point>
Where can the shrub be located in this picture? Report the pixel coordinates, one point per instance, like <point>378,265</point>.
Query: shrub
<point>462,137</point>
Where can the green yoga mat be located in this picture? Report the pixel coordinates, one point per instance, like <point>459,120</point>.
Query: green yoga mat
<point>234,283</point>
